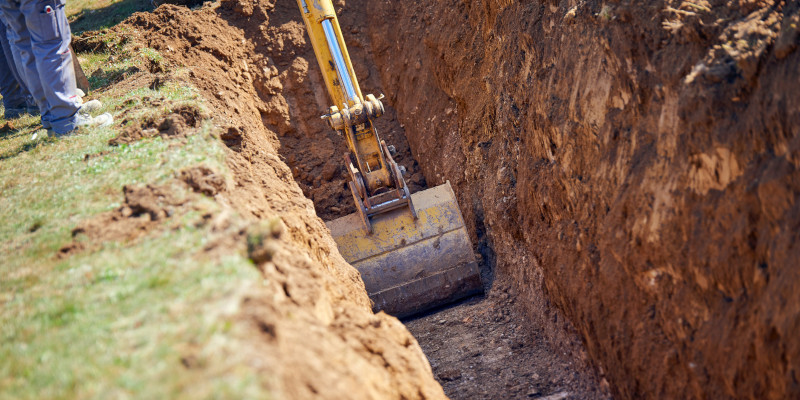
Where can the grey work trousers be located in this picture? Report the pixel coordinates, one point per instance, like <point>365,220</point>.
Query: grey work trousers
<point>14,92</point>
<point>39,35</point>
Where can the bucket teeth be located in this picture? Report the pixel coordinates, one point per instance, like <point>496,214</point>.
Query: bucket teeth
<point>411,265</point>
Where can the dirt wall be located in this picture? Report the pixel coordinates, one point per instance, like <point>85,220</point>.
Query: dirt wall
<point>313,332</point>
<point>634,166</point>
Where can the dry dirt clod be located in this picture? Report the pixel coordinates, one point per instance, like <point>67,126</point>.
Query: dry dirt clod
<point>203,180</point>
<point>449,375</point>
<point>145,208</point>
<point>8,127</point>
<point>262,244</point>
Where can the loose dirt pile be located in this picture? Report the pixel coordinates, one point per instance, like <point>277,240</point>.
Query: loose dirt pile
<point>314,334</point>
<point>634,165</point>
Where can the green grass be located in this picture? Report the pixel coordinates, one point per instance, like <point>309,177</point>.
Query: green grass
<point>120,319</point>
<point>102,73</point>
<point>92,15</point>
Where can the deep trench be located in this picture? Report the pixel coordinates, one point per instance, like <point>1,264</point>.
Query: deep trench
<point>659,310</point>
<point>480,347</point>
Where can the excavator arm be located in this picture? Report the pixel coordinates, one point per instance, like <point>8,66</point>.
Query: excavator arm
<point>413,251</point>
<point>376,180</point>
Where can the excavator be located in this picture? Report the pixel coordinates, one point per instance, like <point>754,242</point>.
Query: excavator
<point>412,250</point>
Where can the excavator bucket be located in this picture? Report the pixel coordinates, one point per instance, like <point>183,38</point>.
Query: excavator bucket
<point>408,265</point>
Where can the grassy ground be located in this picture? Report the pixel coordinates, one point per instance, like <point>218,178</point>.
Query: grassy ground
<point>90,15</point>
<point>119,320</point>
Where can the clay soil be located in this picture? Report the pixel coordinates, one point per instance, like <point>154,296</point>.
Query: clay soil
<point>312,331</point>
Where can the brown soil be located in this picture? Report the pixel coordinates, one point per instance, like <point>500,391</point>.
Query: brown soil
<point>313,332</point>
<point>203,180</point>
<point>627,170</point>
<point>145,208</point>
<point>634,166</point>
<point>180,122</point>
<point>7,128</point>
<point>483,349</point>
<point>254,64</point>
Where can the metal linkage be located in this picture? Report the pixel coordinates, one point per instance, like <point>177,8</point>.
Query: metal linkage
<point>341,66</point>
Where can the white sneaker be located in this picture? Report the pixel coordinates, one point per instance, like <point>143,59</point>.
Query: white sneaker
<point>90,107</point>
<point>80,93</point>
<point>86,120</point>
<point>101,120</point>
<point>104,119</point>
<point>40,134</point>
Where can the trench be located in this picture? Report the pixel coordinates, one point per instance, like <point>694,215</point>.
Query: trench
<point>268,94</point>
<point>479,348</point>
<point>637,230</point>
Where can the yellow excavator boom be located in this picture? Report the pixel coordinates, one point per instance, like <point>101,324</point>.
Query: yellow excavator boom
<point>412,251</point>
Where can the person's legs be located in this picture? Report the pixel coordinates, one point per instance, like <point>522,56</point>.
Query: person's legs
<point>13,96</point>
<point>20,40</point>
<point>11,89</point>
<point>50,37</point>
<point>8,54</point>
<point>9,57</point>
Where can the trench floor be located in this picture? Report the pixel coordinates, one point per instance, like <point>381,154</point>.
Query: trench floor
<point>481,348</point>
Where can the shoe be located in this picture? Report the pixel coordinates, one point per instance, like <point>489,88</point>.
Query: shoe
<point>85,120</point>
<point>90,107</point>
<point>16,112</point>
<point>104,119</point>
<point>101,120</point>
<point>41,134</point>
<point>80,93</point>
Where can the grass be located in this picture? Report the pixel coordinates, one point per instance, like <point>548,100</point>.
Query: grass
<point>92,15</point>
<point>122,319</point>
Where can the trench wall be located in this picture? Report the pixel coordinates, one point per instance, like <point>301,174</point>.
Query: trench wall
<point>634,167</point>
<point>311,330</point>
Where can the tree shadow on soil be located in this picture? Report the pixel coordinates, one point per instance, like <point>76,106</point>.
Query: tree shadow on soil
<point>103,77</point>
<point>106,17</point>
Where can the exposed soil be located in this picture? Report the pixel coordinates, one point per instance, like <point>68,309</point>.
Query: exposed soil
<point>312,150</point>
<point>179,122</point>
<point>627,170</point>
<point>634,166</point>
<point>313,332</point>
<point>145,208</point>
<point>482,348</point>
<point>7,128</point>
<point>253,62</point>
<point>203,180</point>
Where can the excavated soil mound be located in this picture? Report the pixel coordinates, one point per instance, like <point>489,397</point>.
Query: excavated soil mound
<point>313,331</point>
<point>636,167</point>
